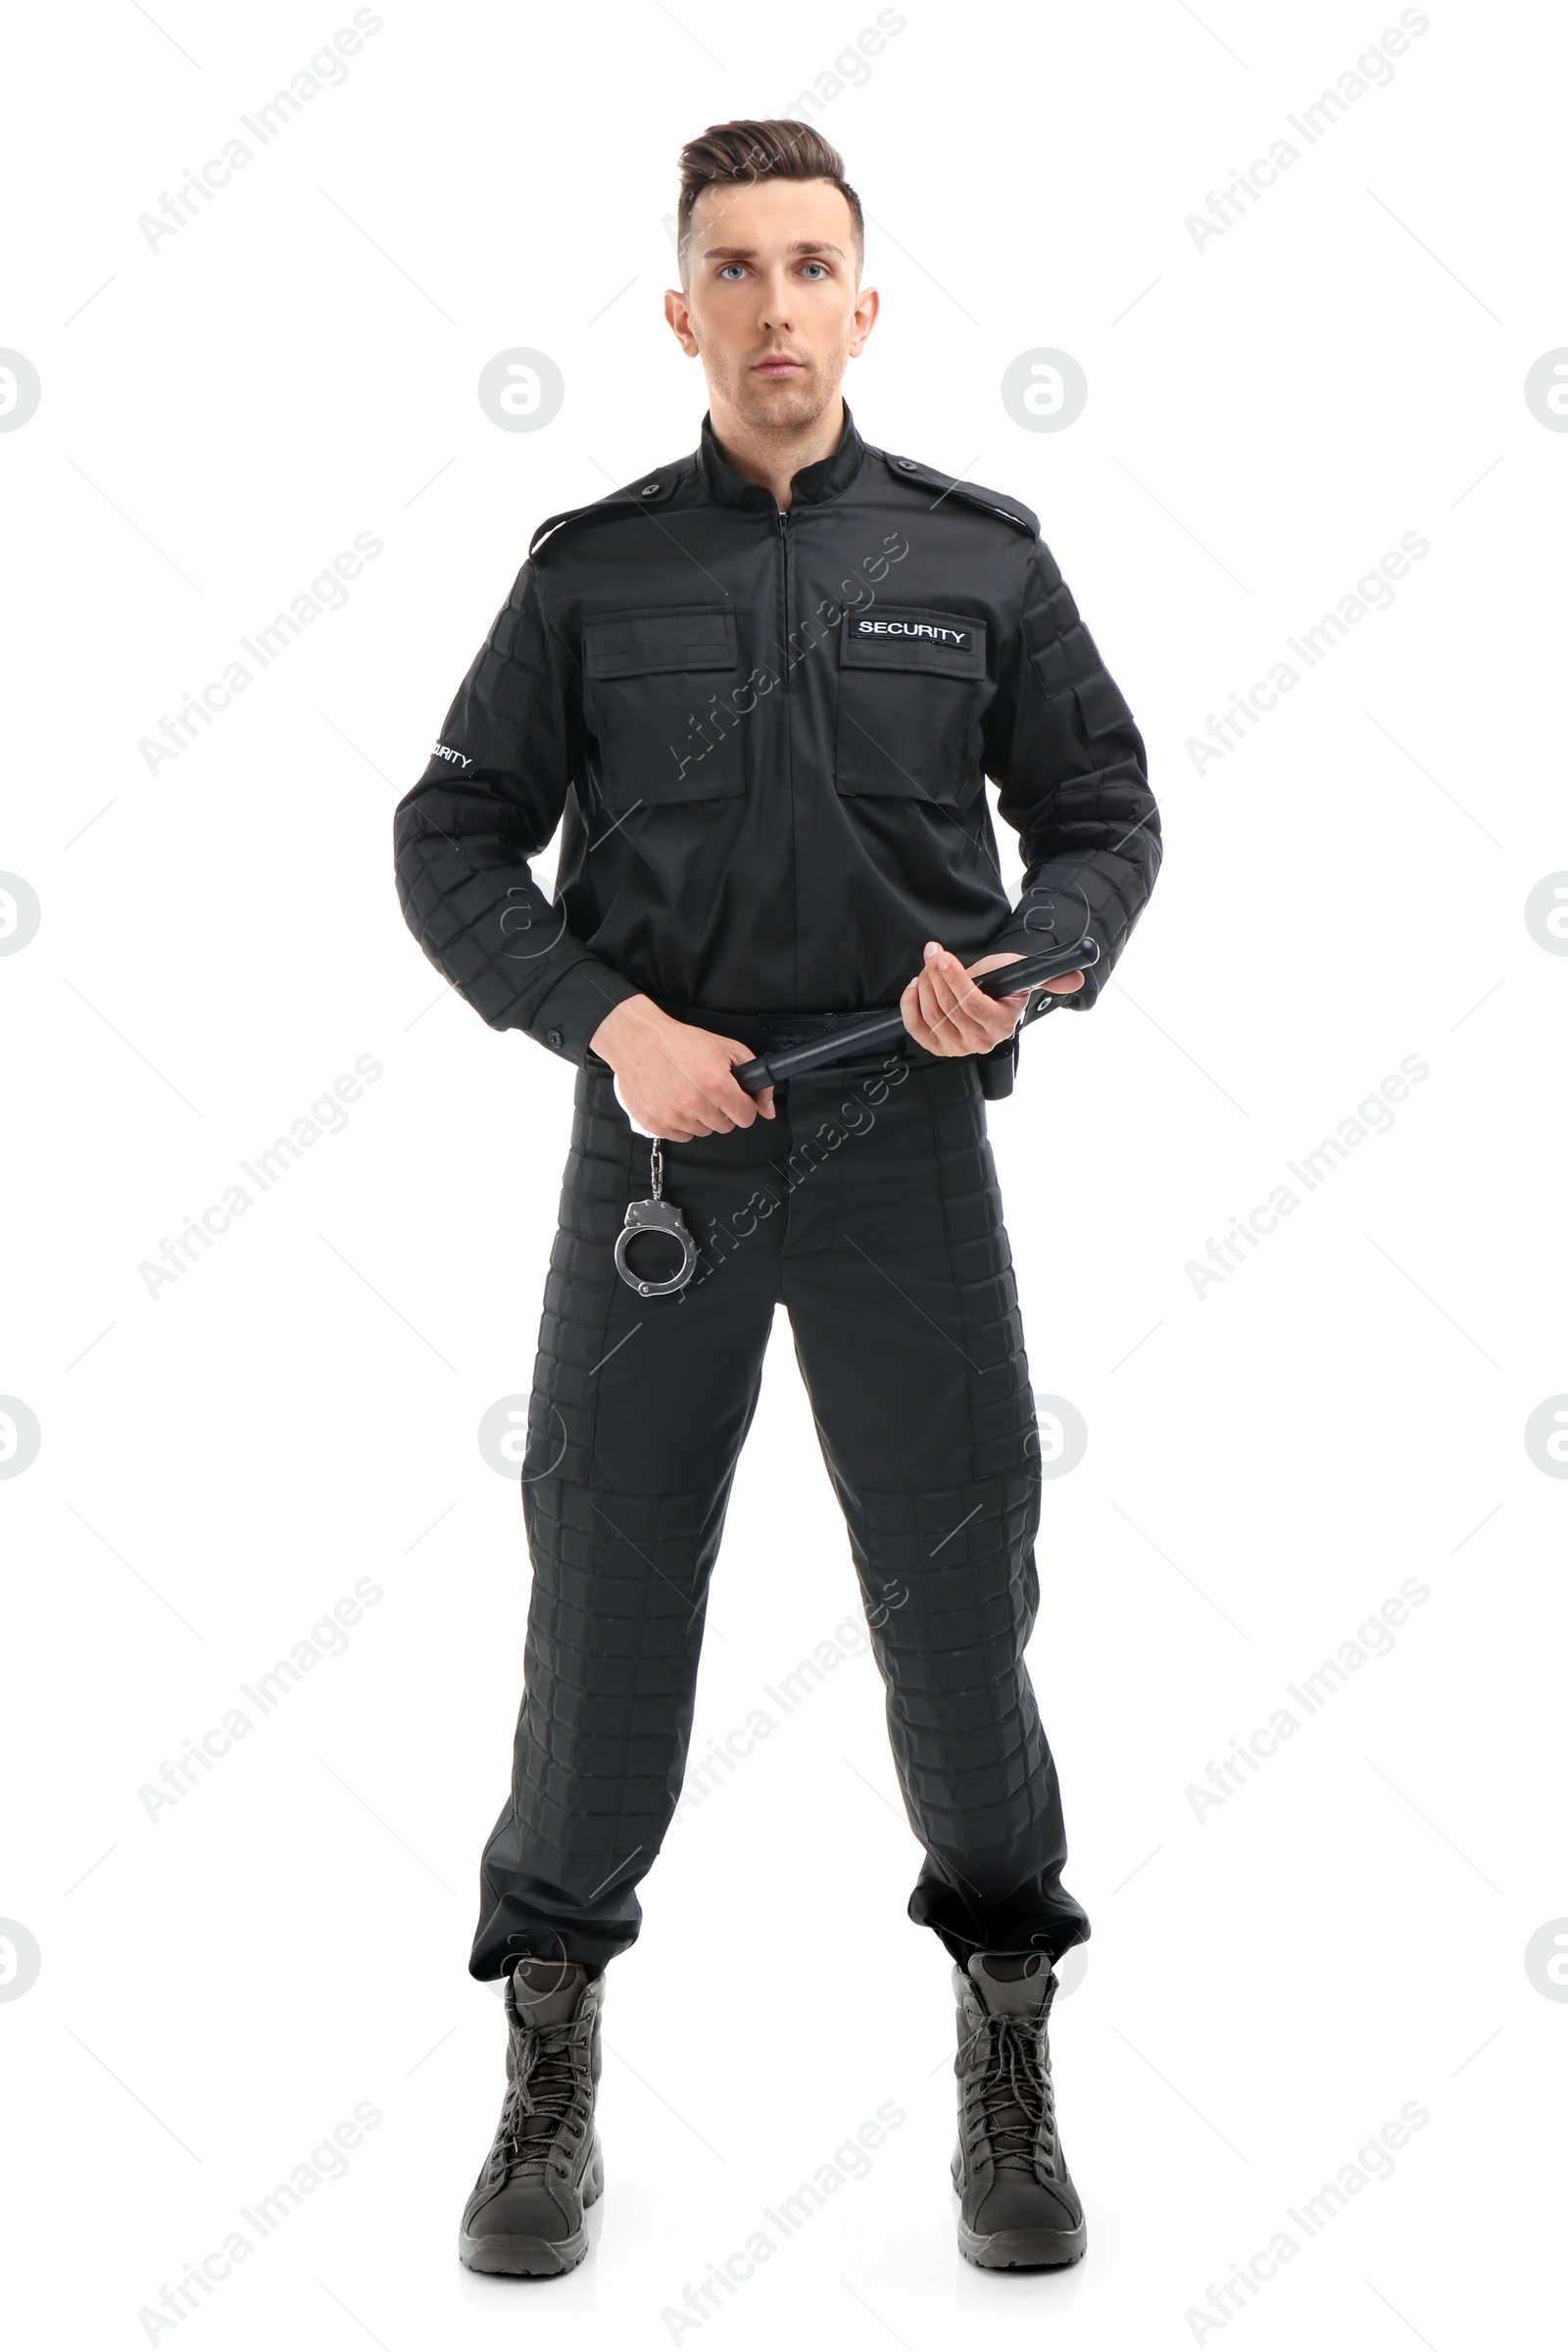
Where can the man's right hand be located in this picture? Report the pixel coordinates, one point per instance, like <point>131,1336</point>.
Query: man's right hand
<point>674,1080</point>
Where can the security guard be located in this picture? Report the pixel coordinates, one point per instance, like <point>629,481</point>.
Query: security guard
<point>760,689</point>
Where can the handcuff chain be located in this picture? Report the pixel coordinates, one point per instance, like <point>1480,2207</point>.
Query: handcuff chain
<point>658,1166</point>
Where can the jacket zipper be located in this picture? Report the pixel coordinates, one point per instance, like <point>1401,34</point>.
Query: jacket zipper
<point>784,598</point>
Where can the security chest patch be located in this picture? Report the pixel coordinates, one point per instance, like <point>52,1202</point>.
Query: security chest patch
<point>882,637</point>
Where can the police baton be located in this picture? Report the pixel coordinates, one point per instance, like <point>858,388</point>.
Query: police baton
<point>887,1028</point>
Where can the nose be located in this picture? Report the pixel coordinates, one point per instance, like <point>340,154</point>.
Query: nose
<point>776,311</point>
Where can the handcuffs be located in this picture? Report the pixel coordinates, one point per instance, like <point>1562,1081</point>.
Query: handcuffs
<point>657,1215</point>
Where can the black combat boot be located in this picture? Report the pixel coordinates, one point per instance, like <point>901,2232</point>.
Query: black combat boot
<point>525,2216</point>
<point>1018,2208</point>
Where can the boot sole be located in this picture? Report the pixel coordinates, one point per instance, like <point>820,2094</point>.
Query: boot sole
<point>1023,2249</point>
<point>516,2256</point>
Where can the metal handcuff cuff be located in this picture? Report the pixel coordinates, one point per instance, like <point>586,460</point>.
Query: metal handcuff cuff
<point>662,1216</point>
<point>657,1215</point>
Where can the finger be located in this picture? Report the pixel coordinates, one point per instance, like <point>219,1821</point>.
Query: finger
<point>1066,985</point>
<point>957,1016</point>
<point>707,1103</point>
<point>996,1017</point>
<point>953,1007</point>
<point>731,1105</point>
<point>944,1034</point>
<point>935,998</point>
<point>689,1113</point>
<point>742,1108</point>
<point>977,1026</point>
<point>964,1000</point>
<point>744,1112</point>
<point>915,1020</point>
<point>687,1057</point>
<point>938,994</point>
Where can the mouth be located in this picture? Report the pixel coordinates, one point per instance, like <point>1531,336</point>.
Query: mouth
<point>779,364</point>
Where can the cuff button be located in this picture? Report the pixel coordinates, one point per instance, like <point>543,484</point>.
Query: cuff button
<point>553,1037</point>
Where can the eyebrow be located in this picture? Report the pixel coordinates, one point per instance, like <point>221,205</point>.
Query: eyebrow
<point>748,253</point>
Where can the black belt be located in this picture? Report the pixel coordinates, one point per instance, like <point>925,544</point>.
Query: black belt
<point>766,1032</point>
<point>781,1029</point>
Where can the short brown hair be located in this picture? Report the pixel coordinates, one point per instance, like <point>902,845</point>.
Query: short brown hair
<point>737,154</point>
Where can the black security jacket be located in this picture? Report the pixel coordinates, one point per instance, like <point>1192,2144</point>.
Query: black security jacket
<point>767,735</point>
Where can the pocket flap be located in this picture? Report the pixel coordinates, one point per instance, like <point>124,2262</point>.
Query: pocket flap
<point>948,644</point>
<point>629,645</point>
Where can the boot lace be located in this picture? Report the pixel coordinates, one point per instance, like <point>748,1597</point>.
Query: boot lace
<point>539,2098</point>
<point>1016,2097</point>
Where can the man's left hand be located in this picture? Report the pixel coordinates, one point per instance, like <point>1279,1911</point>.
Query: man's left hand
<point>944,1012</point>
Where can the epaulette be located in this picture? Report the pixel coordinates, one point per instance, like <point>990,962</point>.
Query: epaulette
<point>648,490</point>
<point>991,502</point>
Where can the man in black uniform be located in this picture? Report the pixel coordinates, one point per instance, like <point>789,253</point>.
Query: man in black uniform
<point>760,690</point>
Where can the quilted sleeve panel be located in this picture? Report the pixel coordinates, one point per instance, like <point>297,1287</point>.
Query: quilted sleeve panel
<point>1072,780</point>
<point>489,800</point>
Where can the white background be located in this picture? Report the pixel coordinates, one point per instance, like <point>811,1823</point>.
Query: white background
<point>1267,1984</point>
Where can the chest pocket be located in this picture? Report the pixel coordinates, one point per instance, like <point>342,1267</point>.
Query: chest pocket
<point>910,684</point>
<point>656,686</point>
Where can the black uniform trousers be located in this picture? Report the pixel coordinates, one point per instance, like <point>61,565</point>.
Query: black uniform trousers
<point>869,1206</point>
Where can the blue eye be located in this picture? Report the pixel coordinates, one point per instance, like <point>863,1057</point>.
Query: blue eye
<point>727,266</point>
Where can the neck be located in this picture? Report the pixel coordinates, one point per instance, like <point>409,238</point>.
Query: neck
<point>775,456</point>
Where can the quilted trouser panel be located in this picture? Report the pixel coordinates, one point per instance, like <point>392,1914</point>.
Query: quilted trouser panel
<point>609,1675</point>
<point>638,1412</point>
<point>904,1310</point>
<point>949,1584</point>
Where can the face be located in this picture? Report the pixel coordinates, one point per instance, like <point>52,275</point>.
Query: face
<point>772,309</point>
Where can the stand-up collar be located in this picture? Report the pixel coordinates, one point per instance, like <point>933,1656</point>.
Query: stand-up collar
<point>811,486</point>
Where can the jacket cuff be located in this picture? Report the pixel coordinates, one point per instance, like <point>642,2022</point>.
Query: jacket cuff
<point>570,1015</point>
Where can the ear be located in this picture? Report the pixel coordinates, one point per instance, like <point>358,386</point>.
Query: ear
<point>677,313</point>
<point>867,303</point>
